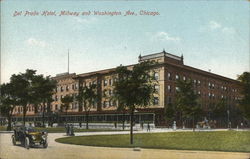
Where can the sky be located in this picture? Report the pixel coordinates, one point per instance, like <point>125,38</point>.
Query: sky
<point>211,35</point>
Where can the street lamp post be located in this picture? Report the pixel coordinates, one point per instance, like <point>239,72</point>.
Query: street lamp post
<point>228,121</point>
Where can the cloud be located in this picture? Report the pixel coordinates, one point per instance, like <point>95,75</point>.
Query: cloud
<point>214,25</point>
<point>228,30</point>
<point>85,20</point>
<point>164,36</point>
<point>36,42</point>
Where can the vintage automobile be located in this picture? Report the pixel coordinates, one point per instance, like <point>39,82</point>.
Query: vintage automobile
<point>29,137</point>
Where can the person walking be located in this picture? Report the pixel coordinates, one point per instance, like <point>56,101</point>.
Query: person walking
<point>148,129</point>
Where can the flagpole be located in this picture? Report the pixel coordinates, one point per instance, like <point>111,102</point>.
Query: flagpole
<point>68,60</point>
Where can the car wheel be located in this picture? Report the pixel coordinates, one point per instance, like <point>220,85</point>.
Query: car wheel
<point>27,143</point>
<point>13,140</point>
<point>45,144</point>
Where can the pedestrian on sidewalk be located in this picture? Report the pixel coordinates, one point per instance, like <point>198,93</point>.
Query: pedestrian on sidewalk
<point>148,129</point>
<point>142,125</point>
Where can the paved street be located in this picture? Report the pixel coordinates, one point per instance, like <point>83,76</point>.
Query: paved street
<point>65,151</point>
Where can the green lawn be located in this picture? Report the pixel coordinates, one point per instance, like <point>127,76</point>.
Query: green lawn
<point>211,141</point>
<point>3,128</point>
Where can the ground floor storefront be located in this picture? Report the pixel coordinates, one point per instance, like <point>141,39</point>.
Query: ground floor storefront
<point>155,117</point>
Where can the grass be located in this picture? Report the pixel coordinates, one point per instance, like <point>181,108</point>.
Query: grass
<point>233,141</point>
<point>3,128</point>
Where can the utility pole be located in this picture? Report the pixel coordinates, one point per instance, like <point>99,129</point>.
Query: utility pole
<point>68,61</point>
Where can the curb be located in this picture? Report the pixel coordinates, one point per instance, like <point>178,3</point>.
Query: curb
<point>2,132</point>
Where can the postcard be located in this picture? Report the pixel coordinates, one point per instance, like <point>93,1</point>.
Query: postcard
<point>124,79</point>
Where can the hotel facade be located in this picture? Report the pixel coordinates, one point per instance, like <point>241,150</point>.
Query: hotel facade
<point>210,87</point>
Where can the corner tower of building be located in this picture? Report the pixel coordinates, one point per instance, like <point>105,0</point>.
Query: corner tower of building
<point>162,57</point>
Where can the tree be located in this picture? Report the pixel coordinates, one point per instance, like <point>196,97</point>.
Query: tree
<point>220,108</point>
<point>7,102</point>
<point>87,98</point>
<point>23,89</point>
<point>43,88</point>
<point>134,89</point>
<point>66,101</point>
<point>244,102</point>
<point>121,108</point>
<point>187,101</point>
<point>170,112</point>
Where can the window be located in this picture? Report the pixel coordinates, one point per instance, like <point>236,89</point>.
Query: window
<point>169,100</point>
<point>56,99</point>
<point>61,88</point>
<point>199,92</point>
<point>105,104</point>
<point>169,88</point>
<point>195,82</point>
<point>199,82</point>
<point>110,82</point>
<point>114,103</point>
<point>156,76</point>
<point>76,85</point>
<point>104,92</point>
<point>156,100</point>
<point>67,88</point>
<point>156,88</point>
<point>75,105</point>
<point>56,107</point>
<point>73,86</point>
<point>177,89</point>
<point>110,92</point>
<point>105,83</point>
<point>184,78</point>
<point>111,103</point>
<point>213,86</point>
<point>177,77</point>
<point>169,76</point>
<point>94,104</point>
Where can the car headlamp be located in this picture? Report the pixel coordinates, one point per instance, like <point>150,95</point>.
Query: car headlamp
<point>33,137</point>
<point>44,137</point>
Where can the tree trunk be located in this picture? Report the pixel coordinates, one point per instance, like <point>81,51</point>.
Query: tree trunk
<point>43,114</point>
<point>123,120</point>
<point>9,123</point>
<point>193,124</point>
<point>24,114</point>
<point>131,126</point>
<point>80,106</point>
<point>35,107</point>
<point>87,120</point>
<point>66,116</point>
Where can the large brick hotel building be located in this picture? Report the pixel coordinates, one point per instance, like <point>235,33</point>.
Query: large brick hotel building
<point>211,88</point>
